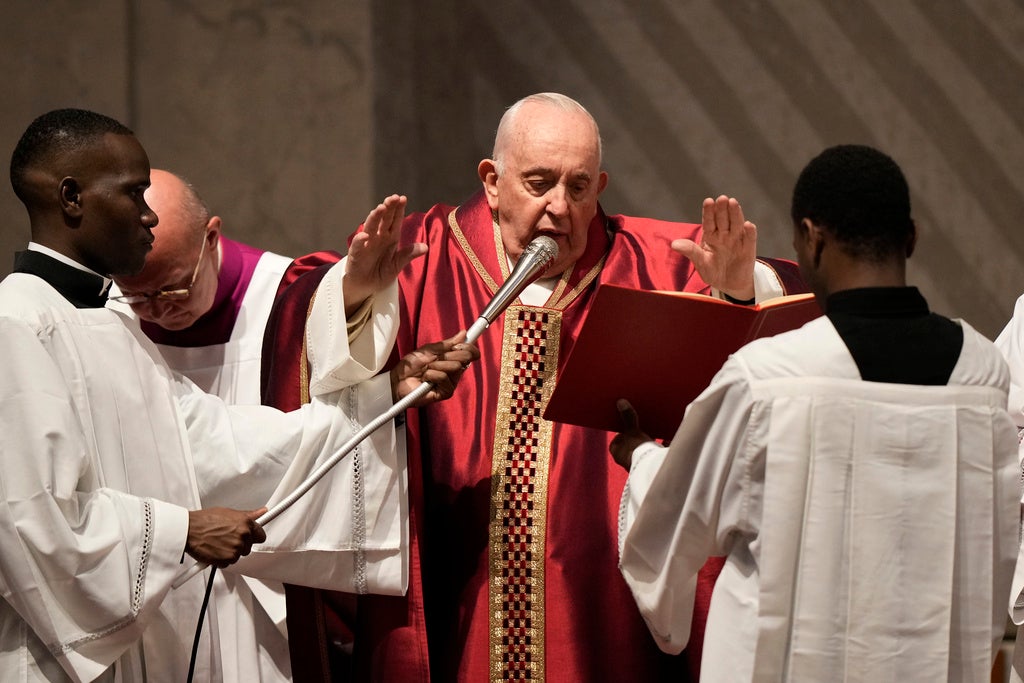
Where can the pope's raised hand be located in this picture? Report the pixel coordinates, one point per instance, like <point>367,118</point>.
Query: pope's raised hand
<point>374,256</point>
<point>727,250</point>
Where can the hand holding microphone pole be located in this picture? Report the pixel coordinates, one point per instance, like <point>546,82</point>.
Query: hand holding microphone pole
<point>537,256</point>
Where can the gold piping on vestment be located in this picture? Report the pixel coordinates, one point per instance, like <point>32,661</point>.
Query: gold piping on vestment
<point>303,359</point>
<point>461,238</point>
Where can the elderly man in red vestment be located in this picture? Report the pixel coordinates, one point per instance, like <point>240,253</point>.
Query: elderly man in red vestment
<point>513,524</point>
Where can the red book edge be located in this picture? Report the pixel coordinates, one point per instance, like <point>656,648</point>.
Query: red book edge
<point>659,350</point>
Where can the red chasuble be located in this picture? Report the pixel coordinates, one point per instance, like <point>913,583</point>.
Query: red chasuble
<point>514,518</point>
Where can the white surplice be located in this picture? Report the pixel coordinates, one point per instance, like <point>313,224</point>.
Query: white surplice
<point>103,451</point>
<point>251,616</point>
<point>870,529</point>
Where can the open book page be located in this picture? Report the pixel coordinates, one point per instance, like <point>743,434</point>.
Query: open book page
<point>659,350</point>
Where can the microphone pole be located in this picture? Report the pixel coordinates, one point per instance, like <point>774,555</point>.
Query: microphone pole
<point>537,256</point>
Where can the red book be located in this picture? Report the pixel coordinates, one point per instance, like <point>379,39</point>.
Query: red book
<point>659,350</point>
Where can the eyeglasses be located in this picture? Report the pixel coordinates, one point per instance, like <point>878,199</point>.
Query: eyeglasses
<point>165,294</point>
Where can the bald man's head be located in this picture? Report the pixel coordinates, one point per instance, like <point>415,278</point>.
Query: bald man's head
<point>185,256</point>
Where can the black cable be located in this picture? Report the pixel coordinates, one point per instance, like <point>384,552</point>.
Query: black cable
<point>199,626</point>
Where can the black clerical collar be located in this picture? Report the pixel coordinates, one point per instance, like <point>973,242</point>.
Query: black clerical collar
<point>878,302</point>
<point>81,288</point>
<point>893,337</point>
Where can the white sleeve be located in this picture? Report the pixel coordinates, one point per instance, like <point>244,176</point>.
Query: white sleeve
<point>334,362</point>
<point>1010,343</point>
<point>349,532</point>
<point>83,566</point>
<point>647,460</point>
<point>686,502</point>
<point>767,284</point>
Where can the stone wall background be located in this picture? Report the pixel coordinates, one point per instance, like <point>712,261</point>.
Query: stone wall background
<point>293,118</point>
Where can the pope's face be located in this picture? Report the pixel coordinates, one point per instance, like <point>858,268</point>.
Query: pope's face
<point>548,183</point>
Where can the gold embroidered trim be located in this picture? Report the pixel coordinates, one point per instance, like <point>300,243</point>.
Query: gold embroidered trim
<point>562,303</point>
<point>499,248</point>
<point>563,282</point>
<point>519,486</point>
<point>461,238</point>
<point>303,359</point>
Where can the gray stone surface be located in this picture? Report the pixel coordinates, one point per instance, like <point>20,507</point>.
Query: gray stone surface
<point>293,117</point>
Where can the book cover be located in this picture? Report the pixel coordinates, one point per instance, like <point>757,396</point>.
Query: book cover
<point>659,350</point>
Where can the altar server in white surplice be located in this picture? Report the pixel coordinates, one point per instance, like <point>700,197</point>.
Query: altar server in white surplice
<point>114,468</point>
<point>860,473</point>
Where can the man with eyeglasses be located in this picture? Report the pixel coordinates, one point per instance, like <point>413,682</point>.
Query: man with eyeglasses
<point>205,299</point>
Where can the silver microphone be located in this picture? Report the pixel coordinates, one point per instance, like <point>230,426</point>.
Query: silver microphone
<point>537,256</point>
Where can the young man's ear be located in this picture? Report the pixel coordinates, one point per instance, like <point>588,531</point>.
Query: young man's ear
<point>816,238</point>
<point>70,197</point>
<point>912,239</point>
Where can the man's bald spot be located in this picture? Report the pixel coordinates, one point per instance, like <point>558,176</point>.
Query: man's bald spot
<point>170,191</point>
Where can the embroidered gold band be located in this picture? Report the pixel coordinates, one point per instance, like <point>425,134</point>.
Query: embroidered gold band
<point>519,483</point>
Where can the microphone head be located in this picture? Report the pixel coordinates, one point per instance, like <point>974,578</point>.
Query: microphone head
<point>539,253</point>
<point>543,249</point>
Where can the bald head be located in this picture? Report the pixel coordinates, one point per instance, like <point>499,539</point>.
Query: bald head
<point>183,218</point>
<point>185,247</point>
<point>515,123</point>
